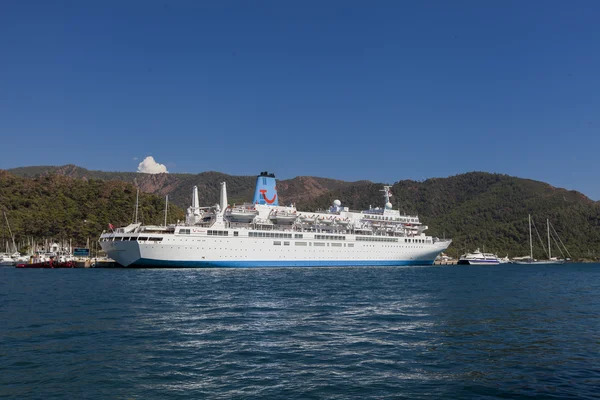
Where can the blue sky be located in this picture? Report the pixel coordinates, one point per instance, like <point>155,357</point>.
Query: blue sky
<point>383,91</point>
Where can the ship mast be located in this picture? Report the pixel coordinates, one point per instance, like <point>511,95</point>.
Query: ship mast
<point>137,199</point>
<point>387,194</point>
<point>166,208</point>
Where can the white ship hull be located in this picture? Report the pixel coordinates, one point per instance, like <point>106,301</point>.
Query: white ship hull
<point>244,251</point>
<point>276,236</point>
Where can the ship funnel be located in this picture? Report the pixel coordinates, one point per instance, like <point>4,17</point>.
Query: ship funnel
<point>265,192</point>
<point>195,202</point>
<point>223,196</point>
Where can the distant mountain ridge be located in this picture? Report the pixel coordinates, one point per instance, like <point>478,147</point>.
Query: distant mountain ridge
<point>476,209</point>
<point>179,186</point>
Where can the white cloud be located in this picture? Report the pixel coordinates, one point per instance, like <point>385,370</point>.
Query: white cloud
<point>150,166</point>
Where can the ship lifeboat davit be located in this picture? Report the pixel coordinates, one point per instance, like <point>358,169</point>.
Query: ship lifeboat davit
<point>241,214</point>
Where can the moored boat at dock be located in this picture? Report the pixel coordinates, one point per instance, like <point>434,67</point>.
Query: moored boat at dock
<point>529,260</point>
<point>478,258</point>
<point>49,264</point>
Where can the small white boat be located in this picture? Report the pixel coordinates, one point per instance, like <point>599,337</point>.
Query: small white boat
<point>6,261</point>
<point>478,258</point>
<point>504,260</point>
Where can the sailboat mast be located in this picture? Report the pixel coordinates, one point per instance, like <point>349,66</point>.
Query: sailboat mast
<point>548,227</point>
<point>10,232</point>
<point>530,240</point>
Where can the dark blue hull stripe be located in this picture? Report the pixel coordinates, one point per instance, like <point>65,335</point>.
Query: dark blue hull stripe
<point>144,262</point>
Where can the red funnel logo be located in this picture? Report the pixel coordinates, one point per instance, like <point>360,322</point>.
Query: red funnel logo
<point>264,195</point>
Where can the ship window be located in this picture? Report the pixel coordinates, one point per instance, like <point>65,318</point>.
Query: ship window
<point>298,236</point>
<point>277,243</point>
<point>142,239</point>
<point>286,243</point>
<point>350,244</point>
<point>319,244</point>
<point>336,244</point>
<point>235,233</point>
<point>300,243</point>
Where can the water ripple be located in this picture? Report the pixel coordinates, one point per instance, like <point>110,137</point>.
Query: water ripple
<point>310,333</point>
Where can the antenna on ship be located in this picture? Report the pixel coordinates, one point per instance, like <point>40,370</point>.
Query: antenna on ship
<point>387,194</point>
<point>137,200</point>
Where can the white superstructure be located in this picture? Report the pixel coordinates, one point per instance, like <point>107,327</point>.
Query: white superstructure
<point>265,234</point>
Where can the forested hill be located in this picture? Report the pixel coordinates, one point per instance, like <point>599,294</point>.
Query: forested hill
<point>476,209</point>
<point>179,186</point>
<point>480,209</point>
<point>62,208</point>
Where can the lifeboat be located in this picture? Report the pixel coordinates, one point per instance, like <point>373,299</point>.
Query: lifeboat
<point>283,217</point>
<point>242,214</point>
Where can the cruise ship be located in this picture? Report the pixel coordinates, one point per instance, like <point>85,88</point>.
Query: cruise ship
<point>266,234</point>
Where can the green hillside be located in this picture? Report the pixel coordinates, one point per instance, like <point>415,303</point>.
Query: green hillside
<point>240,189</point>
<point>479,209</point>
<point>64,208</point>
<point>476,209</point>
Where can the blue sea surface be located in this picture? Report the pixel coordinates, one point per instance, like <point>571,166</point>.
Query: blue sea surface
<point>456,332</point>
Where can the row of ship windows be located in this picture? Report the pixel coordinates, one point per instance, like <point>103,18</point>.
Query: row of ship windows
<point>317,244</point>
<point>391,218</point>
<point>375,239</point>
<point>276,235</point>
<point>330,237</point>
<point>361,250</point>
<point>133,238</point>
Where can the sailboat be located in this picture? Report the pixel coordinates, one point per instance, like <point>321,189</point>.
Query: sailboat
<point>531,260</point>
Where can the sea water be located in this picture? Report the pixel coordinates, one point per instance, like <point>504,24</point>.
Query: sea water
<point>508,331</point>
